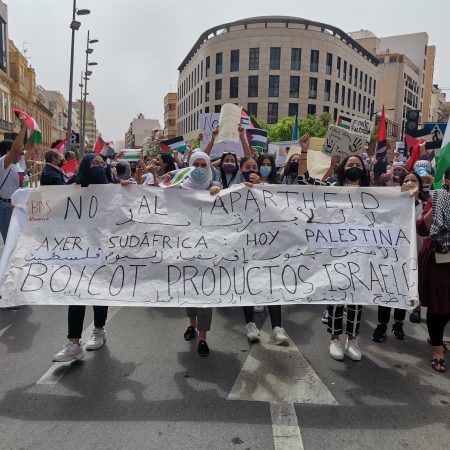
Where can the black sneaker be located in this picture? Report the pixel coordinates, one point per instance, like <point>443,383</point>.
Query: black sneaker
<point>397,331</point>
<point>379,335</point>
<point>190,333</point>
<point>203,349</point>
<point>414,317</point>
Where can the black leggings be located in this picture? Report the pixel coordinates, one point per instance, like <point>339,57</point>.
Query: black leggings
<point>436,324</point>
<point>274,313</point>
<point>384,312</point>
<point>75,319</point>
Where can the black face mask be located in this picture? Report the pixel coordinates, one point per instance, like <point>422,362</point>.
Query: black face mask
<point>246,175</point>
<point>293,167</point>
<point>353,174</point>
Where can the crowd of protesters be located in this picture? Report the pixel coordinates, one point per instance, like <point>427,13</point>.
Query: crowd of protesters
<point>432,215</point>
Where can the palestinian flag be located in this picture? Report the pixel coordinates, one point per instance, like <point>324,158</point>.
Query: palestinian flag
<point>99,144</point>
<point>170,145</point>
<point>257,138</point>
<point>344,122</point>
<point>130,154</point>
<point>61,147</point>
<point>35,135</point>
<point>444,158</point>
<point>248,121</point>
<point>178,178</point>
<point>380,166</point>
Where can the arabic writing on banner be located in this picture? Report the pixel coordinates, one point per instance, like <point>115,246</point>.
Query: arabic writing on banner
<point>144,246</point>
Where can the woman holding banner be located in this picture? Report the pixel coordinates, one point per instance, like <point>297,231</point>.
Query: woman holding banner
<point>434,268</point>
<point>200,178</point>
<point>92,170</point>
<point>351,172</point>
<point>291,171</point>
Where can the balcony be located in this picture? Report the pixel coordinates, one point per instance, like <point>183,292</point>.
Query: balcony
<point>6,126</point>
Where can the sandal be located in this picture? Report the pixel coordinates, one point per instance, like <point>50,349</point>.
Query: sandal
<point>438,362</point>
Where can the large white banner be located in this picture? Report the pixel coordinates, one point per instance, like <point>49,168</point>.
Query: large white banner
<point>144,246</point>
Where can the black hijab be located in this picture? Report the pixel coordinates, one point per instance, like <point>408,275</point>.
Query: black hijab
<point>85,176</point>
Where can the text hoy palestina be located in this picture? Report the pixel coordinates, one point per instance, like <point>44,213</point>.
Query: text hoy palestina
<point>278,244</point>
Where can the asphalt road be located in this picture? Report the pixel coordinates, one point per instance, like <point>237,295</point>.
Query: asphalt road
<point>149,389</point>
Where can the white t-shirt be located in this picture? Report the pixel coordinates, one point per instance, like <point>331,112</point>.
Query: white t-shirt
<point>10,174</point>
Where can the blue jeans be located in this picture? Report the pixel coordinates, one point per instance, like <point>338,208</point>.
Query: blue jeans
<point>5,218</point>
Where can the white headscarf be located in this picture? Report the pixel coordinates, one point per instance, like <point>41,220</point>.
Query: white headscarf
<point>189,183</point>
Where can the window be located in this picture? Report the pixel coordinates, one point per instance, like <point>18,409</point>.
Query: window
<point>253,59</point>
<point>312,88</point>
<point>219,63</point>
<point>364,104</point>
<point>336,93</point>
<point>253,86</point>
<point>207,91</point>
<point>335,114</point>
<point>375,87</point>
<point>356,77</point>
<point>234,87</point>
<point>327,91</point>
<point>217,108</point>
<point>365,83</point>
<point>359,102</point>
<point>275,57</point>
<point>234,61</point>
<point>201,70</point>
<point>206,109</point>
<point>370,85</point>
<point>343,95</point>
<point>294,87</point>
<point>338,67</point>
<point>350,74</point>
<point>314,64</point>
<point>345,70</point>
<point>272,113</point>
<point>252,109</point>
<point>274,85</point>
<point>354,100</point>
<point>218,90</point>
<point>326,109</point>
<point>360,79</point>
<point>296,58</point>
<point>349,97</point>
<point>311,110</point>
<point>329,66</point>
<point>208,66</point>
<point>293,109</point>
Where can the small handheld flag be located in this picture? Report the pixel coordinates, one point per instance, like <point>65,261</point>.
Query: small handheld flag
<point>35,135</point>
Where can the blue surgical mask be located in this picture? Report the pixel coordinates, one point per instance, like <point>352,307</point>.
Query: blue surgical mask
<point>199,174</point>
<point>265,171</point>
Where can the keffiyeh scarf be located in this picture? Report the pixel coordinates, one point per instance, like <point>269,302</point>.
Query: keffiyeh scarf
<point>440,228</point>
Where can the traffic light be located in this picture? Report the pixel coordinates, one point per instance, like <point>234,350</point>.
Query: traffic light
<point>412,121</point>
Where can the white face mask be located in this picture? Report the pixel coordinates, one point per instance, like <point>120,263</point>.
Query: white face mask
<point>411,183</point>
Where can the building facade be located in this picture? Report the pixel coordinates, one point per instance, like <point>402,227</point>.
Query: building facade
<point>58,104</point>
<point>44,116</point>
<point>140,128</point>
<point>275,67</point>
<point>6,122</point>
<point>170,115</point>
<point>438,108</point>
<point>428,83</point>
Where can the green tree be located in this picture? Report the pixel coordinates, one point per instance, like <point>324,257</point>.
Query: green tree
<point>373,137</point>
<point>195,143</point>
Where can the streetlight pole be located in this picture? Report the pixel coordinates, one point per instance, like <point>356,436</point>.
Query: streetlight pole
<point>81,98</point>
<point>87,73</point>
<point>74,25</point>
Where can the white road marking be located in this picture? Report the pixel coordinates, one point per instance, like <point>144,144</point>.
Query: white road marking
<point>282,377</point>
<point>2,332</point>
<point>285,429</point>
<point>57,370</point>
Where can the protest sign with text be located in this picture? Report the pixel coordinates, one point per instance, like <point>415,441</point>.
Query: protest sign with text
<point>209,122</point>
<point>144,246</point>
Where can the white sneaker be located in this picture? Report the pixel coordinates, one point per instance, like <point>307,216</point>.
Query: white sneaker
<point>279,337</point>
<point>325,317</point>
<point>352,350</point>
<point>70,352</point>
<point>336,350</point>
<point>252,332</point>
<point>96,340</point>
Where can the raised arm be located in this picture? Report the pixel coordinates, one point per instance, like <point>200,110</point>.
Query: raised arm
<point>210,144</point>
<point>245,146</point>
<point>14,153</point>
<point>304,144</point>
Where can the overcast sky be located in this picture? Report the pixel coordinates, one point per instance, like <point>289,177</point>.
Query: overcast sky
<point>142,42</point>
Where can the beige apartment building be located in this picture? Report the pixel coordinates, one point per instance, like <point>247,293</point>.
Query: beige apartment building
<point>170,115</point>
<point>438,107</point>
<point>6,123</point>
<point>91,122</point>
<point>275,67</point>
<point>428,83</point>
